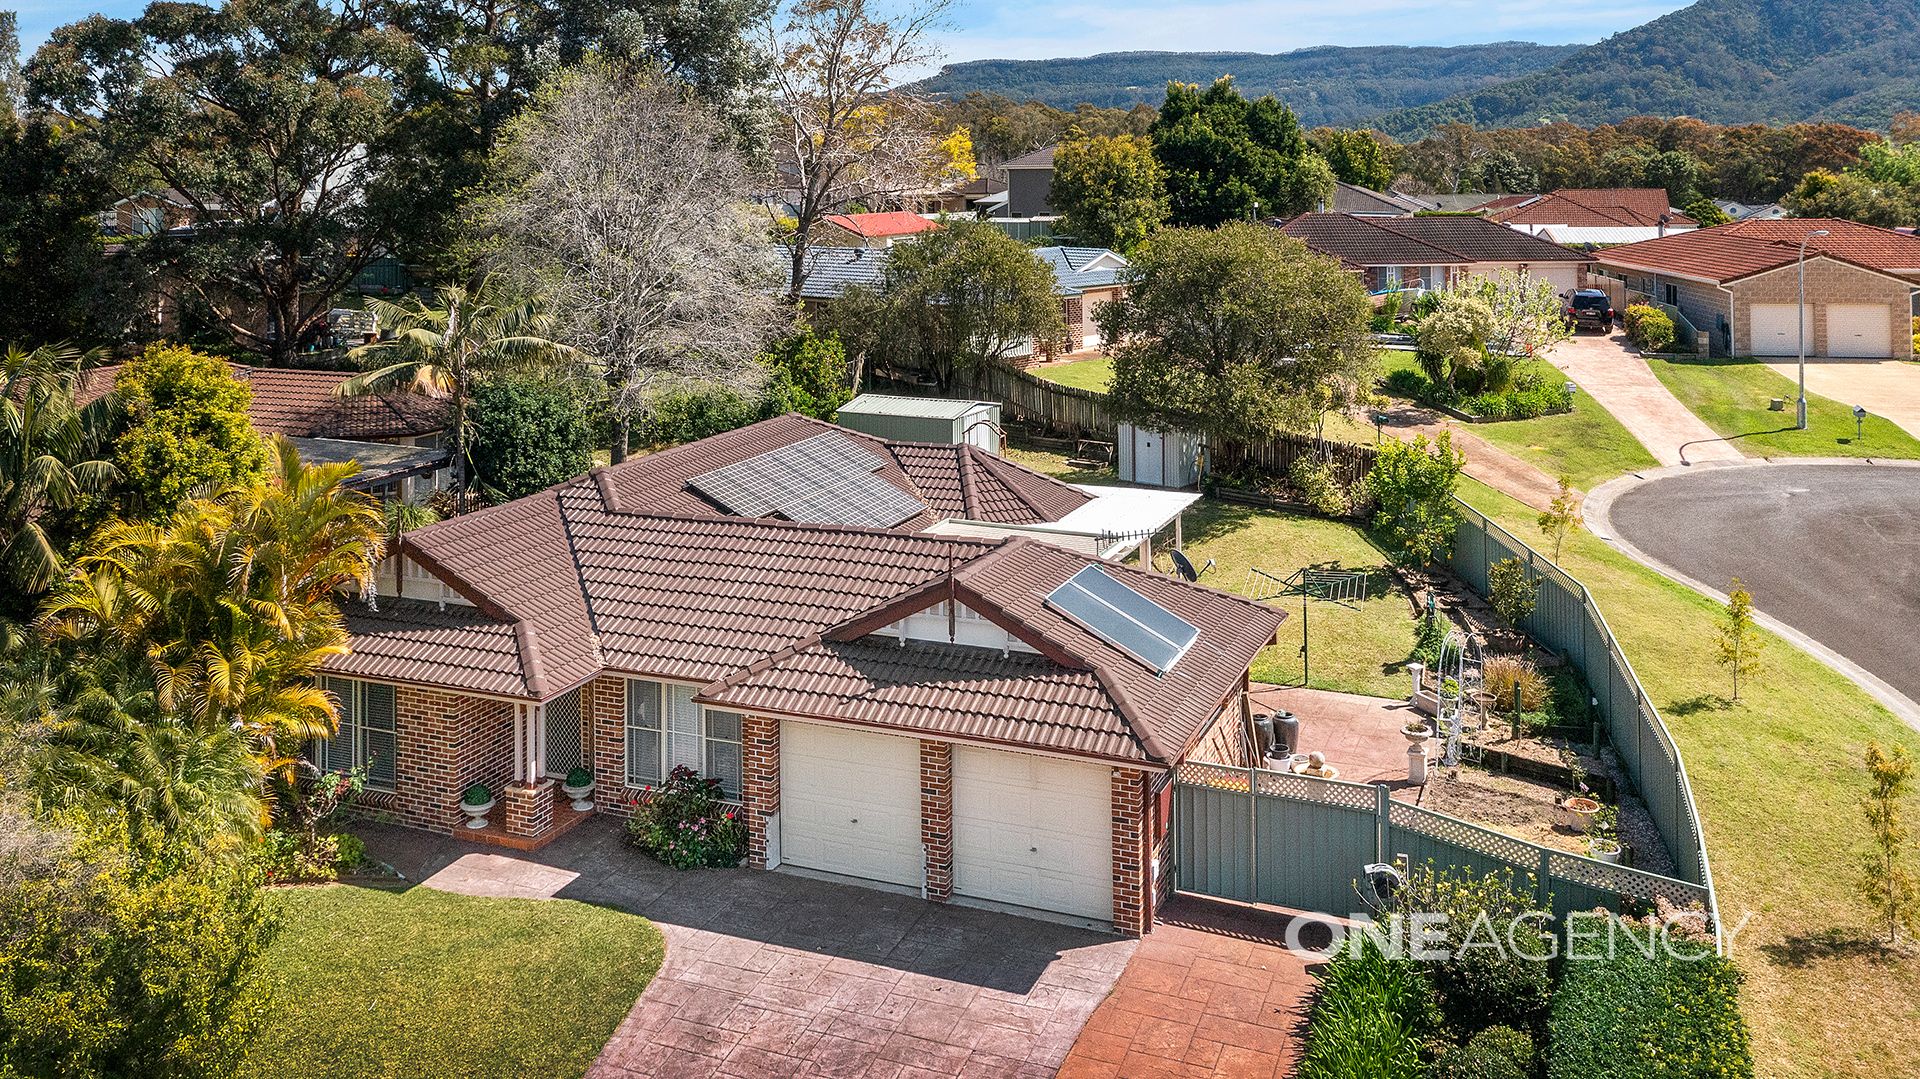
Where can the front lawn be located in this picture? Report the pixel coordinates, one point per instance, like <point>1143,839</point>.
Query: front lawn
<point>1587,445</point>
<point>1731,396</point>
<point>371,982</point>
<point>1779,780</point>
<point>1094,374</point>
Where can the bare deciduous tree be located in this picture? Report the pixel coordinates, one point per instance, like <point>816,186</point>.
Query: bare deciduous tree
<point>627,203</point>
<point>843,133</point>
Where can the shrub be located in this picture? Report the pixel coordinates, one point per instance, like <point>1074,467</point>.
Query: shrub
<point>1494,1053</point>
<point>808,373</point>
<point>529,433</point>
<point>1648,327</point>
<point>1512,591</point>
<point>1429,634</point>
<point>1406,382</point>
<point>1516,685</point>
<point>290,858</point>
<point>353,852</point>
<point>685,825</point>
<point>1313,480</point>
<point>1412,484</point>
<point>476,795</point>
<point>691,415</point>
<point>1372,1016</point>
<point>1674,1015</point>
<point>1484,986</point>
<point>187,429</point>
<point>579,777</point>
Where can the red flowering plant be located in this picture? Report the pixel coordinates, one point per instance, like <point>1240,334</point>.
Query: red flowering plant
<point>686,823</point>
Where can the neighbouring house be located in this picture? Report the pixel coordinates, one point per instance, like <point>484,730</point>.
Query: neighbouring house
<point>396,436</point>
<point>1030,184</point>
<point>1590,215</point>
<point>982,195</point>
<point>873,230</point>
<point>1751,211</point>
<point>1084,279</point>
<point>1740,284</point>
<point>1398,254</point>
<point>1366,202</point>
<point>983,718</point>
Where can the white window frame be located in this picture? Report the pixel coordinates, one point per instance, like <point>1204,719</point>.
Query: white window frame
<point>367,741</point>
<point>679,737</point>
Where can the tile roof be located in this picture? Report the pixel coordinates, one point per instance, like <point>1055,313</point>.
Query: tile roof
<point>877,226</point>
<point>1038,159</point>
<point>1422,241</point>
<point>1593,207</point>
<point>1744,248</point>
<point>831,271</point>
<point>575,580</point>
<point>300,403</point>
<point>1354,199</point>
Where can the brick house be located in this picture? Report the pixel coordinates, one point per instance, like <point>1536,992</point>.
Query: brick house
<point>991,720</point>
<point>1591,215</point>
<point>1393,254</point>
<point>1740,284</point>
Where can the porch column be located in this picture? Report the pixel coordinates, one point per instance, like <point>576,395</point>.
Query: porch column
<point>538,717</point>
<point>936,817</point>
<point>519,744</point>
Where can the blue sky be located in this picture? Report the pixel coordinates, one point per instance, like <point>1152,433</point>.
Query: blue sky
<point>1026,29</point>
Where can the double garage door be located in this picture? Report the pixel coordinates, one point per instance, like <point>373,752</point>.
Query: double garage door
<point>1029,831</point>
<point>1853,330</point>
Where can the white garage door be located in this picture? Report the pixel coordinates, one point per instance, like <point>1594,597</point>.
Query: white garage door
<point>1859,329</point>
<point>1033,831</point>
<point>850,802</point>
<point>1776,329</point>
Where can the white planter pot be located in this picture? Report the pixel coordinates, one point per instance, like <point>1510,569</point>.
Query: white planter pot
<point>1604,850</point>
<point>582,796</point>
<point>477,815</point>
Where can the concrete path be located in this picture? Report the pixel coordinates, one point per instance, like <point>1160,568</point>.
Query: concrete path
<point>1486,462</point>
<point>774,974</point>
<point>1212,992</point>
<point>1618,380</point>
<point>1889,388</point>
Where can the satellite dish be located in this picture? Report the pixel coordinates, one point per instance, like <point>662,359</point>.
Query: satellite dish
<point>1185,565</point>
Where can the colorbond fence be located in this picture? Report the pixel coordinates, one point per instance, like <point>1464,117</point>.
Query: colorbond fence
<point>1261,836</point>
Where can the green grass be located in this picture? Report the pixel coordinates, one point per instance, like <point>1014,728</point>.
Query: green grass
<point>1731,397</point>
<point>1779,779</point>
<point>1586,445</point>
<point>372,982</point>
<point>1092,374</point>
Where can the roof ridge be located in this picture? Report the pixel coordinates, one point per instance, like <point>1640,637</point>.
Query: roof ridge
<point>1384,225</point>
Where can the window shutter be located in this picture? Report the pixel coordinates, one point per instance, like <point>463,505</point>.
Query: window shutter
<point>683,732</point>
<point>643,732</point>
<point>378,745</point>
<point>723,750</point>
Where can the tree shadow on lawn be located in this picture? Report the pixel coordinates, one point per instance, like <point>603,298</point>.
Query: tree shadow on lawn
<point>1704,702</point>
<point>1832,945</point>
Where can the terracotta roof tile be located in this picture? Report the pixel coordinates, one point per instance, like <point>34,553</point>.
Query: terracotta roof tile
<point>464,648</point>
<point>878,226</point>
<point>1422,241</point>
<point>1594,207</point>
<point>301,403</point>
<point>1744,248</point>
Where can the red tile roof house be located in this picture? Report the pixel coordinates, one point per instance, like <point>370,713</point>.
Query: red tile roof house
<point>873,230</point>
<point>1591,215</point>
<point>1739,284</point>
<point>1397,253</point>
<point>943,715</point>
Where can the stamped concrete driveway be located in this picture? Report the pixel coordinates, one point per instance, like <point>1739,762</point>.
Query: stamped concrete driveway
<point>771,974</point>
<point>1889,388</point>
<point>1618,380</point>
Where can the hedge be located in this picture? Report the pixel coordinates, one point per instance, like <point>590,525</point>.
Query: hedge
<point>1372,1016</point>
<point>1628,1016</point>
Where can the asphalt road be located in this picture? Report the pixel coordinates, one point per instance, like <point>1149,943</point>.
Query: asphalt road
<point>1831,550</point>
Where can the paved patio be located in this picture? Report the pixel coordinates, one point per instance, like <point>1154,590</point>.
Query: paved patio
<point>1360,735</point>
<point>772,974</point>
<point>1211,992</point>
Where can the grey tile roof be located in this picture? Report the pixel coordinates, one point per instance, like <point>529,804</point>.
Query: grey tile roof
<point>1443,240</point>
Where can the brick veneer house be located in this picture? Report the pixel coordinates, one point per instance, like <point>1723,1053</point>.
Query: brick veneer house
<point>1395,253</point>
<point>1739,283</point>
<point>929,713</point>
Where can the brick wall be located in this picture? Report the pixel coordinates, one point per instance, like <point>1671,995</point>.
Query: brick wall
<point>936,817</point>
<point>759,781</point>
<point>1827,282</point>
<point>604,705</point>
<point>1225,742</point>
<point>529,808</point>
<point>443,744</point>
<point>1132,914</point>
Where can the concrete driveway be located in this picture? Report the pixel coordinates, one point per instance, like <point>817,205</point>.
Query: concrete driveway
<point>1889,388</point>
<point>1830,550</point>
<point>1618,380</point>
<point>771,974</point>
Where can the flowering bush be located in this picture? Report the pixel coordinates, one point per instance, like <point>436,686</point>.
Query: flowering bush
<point>684,823</point>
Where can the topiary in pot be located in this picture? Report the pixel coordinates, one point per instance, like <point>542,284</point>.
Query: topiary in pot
<point>476,803</point>
<point>579,786</point>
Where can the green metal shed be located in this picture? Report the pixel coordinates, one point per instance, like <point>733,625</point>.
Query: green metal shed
<point>924,419</point>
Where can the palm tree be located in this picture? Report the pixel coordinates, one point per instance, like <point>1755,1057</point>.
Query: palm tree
<point>441,346</point>
<point>49,450</point>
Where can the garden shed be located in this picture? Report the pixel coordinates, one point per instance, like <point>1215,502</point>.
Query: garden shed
<point>924,419</point>
<point>1158,458</point>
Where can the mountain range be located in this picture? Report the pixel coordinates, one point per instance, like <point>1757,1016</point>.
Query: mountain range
<point>1725,61</point>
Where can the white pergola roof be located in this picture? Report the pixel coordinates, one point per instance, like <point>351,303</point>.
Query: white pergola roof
<point>1118,520</point>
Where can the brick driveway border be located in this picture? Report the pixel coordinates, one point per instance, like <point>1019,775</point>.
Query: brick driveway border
<point>1211,992</point>
<point>773,974</point>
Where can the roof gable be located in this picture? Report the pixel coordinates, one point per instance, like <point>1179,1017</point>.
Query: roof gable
<point>1742,249</point>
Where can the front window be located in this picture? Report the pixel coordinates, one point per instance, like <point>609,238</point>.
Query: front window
<point>366,735</point>
<point>666,729</point>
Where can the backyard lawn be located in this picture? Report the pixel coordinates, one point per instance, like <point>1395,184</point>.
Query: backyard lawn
<point>1731,397</point>
<point>1091,374</point>
<point>1779,779</point>
<point>377,982</point>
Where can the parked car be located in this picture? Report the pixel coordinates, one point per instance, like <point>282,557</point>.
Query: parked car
<point>1590,308</point>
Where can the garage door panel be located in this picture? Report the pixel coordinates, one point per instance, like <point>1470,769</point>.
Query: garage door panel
<point>1033,831</point>
<point>1859,330</point>
<point>850,802</point>
<point>1774,329</point>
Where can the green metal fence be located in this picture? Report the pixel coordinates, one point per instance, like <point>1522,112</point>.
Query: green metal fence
<point>1262,836</point>
<point>1567,620</point>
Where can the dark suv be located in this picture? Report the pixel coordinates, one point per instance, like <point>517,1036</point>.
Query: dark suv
<point>1590,308</point>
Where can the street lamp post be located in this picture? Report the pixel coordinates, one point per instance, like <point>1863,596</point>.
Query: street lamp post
<point>1800,315</point>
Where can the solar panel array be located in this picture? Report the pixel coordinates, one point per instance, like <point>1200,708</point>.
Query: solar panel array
<point>826,479</point>
<point>1124,618</point>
